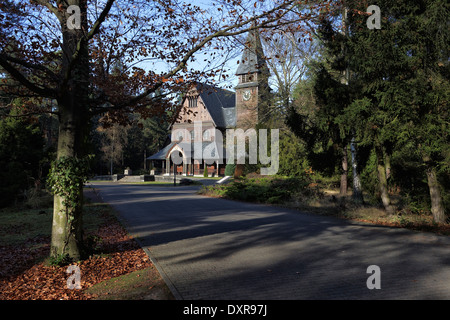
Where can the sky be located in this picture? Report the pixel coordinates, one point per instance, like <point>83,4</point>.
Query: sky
<point>230,58</point>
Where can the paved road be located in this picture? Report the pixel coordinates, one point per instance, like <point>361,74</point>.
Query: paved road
<point>209,248</point>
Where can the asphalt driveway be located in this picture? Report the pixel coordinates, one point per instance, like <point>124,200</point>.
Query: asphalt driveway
<point>208,248</point>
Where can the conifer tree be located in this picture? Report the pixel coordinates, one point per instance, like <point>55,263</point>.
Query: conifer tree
<point>403,71</point>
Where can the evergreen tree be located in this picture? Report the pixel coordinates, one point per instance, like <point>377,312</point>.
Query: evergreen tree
<point>332,95</point>
<point>402,70</point>
<point>21,149</point>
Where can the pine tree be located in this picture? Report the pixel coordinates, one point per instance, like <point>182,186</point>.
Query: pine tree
<point>402,70</point>
<point>332,95</point>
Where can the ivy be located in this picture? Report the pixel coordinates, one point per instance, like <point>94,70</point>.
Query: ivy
<point>66,177</point>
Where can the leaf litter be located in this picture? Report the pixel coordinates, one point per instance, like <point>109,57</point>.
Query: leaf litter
<point>22,278</point>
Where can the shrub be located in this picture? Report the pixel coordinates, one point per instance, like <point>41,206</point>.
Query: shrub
<point>36,198</point>
<point>229,169</point>
<point>263,189</point>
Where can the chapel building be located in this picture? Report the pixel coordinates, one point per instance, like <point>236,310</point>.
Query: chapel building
<point>207,110</point>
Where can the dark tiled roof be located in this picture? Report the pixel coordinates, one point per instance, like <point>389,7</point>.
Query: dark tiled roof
<point>253,56</point>
<point>220,103</point>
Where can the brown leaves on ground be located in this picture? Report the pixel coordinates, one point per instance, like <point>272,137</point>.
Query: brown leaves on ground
<point>23,279</point>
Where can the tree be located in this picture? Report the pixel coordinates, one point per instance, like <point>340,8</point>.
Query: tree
<point>113,143</point>
<point>293,155</point>
<point>21,149</point>
<point>65,50</point>
<point>403,73</point>
<point>303,122</point>
<point>288,52</point>
<point>332,95</point>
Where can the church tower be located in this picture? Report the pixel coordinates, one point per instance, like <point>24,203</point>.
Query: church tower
<point>252,91</point>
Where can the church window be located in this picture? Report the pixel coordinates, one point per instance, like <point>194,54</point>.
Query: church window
<point>178,135</point>
<point>206,134</point>
<point>192,100</point>
<point>247,78</point>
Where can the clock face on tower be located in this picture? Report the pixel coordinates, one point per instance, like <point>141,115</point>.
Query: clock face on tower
<point>247,95</point>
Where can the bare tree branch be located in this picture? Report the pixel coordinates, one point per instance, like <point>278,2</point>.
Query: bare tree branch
<point>101,18</point>
<point>90,35</point>
<point>226,32</point>
<point>30,65</point>
<point>49,6</point>
<point>17,75</point>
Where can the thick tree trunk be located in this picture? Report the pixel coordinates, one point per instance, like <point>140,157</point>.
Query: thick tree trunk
<point>344,174</point>
<point>67,232</point>
<point>382,180</point>
<point>437,206</point>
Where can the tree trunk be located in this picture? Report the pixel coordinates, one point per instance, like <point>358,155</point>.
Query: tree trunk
<point>381,169</point>
<point>437,206</point>
<point>357,193</point>
<point>387,165</point>
<point>67,232</point>
<point>344,174</point>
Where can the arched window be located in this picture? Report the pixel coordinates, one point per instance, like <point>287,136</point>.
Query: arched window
<point>178,135</point>
<point>206,134</point>
<point>248,78</point>
<point>192,101</point>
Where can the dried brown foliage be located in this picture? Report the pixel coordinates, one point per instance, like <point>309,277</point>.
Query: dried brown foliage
<point>21,278</point>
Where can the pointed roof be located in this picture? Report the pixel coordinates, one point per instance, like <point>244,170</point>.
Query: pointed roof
<point>252,59</point>
<point>163,153</point>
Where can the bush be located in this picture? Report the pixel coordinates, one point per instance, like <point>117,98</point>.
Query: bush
<point>262,189</point>
<point>292,156</point>
<point>229,169</point>
<point>13,179</point>
<point>21,146</point>
<point>36,198</point>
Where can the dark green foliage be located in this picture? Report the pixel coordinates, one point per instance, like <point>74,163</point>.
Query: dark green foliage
<point>402,71</point>
<point>266,190</point>
<point>310,146</point>
<point>229,169</point>
<point>13,179</point>
<point>66,177</point>
<point>388,88</point>
<point>292,156</point>
<point>318,121</point>
<point>21,149</point>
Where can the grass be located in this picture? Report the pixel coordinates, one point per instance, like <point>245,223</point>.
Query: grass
<point>137,285</point>
<point>17,226</point>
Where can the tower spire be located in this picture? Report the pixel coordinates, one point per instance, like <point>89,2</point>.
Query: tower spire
<point>252,60</point>
<point>252,91</point>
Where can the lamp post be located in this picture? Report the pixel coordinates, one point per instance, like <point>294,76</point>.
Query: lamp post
<point>174,174</point>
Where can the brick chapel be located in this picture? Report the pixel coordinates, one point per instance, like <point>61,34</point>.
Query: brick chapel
<point>207,110</point>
